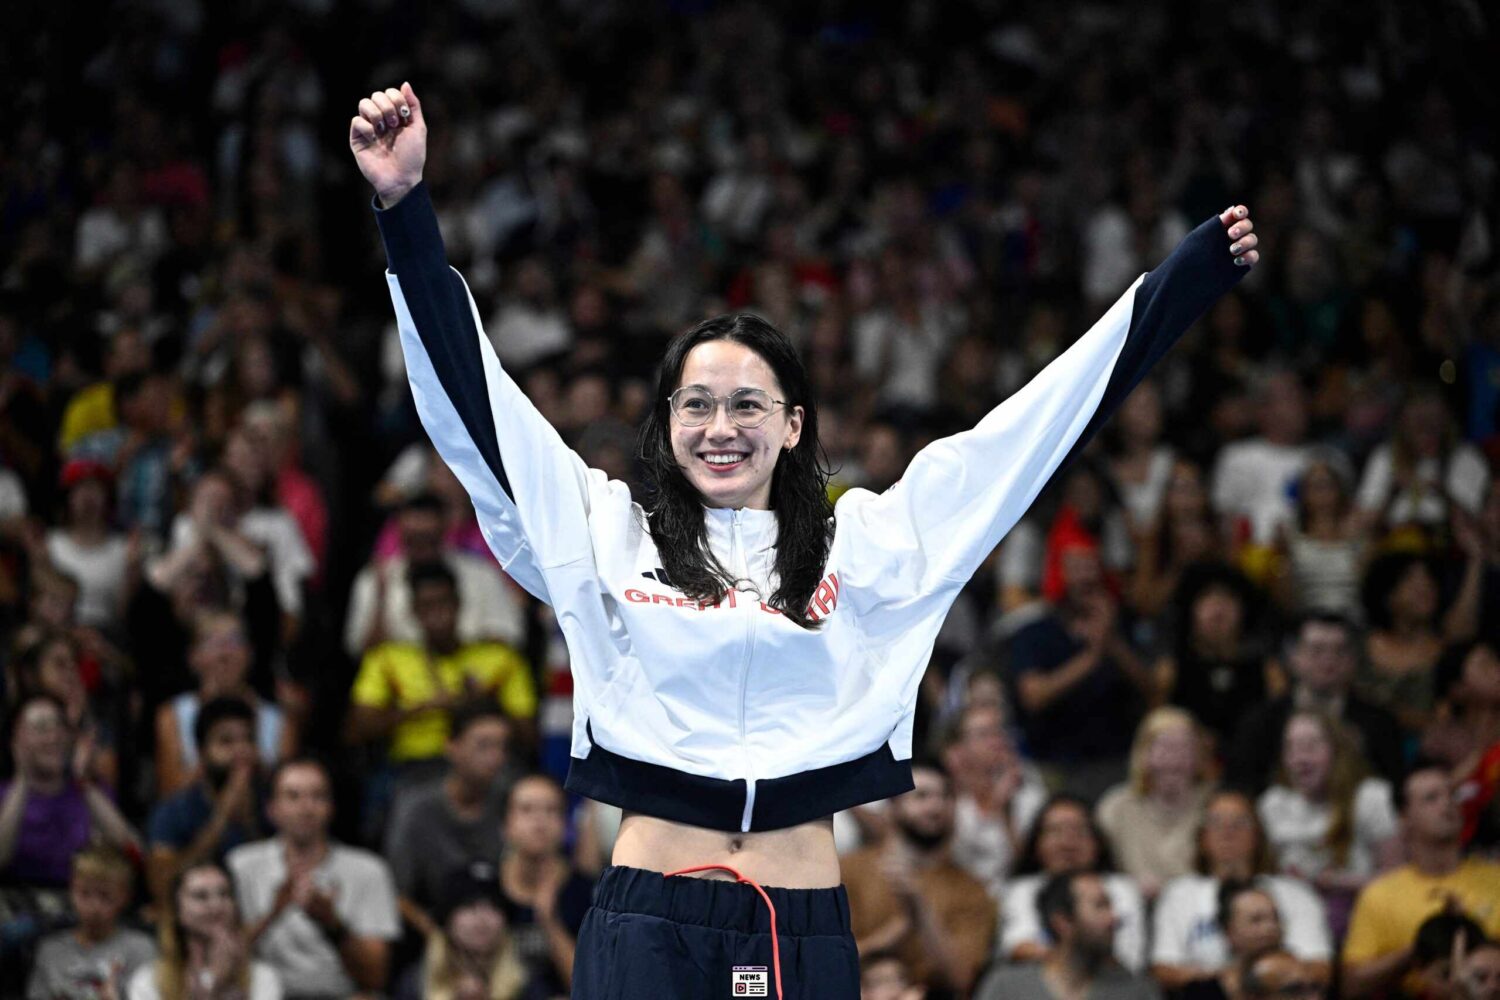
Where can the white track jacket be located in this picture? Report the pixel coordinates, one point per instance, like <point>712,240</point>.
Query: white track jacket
<point>726,715</point>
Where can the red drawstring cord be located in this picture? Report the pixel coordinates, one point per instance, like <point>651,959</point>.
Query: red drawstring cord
<point>775,945</point>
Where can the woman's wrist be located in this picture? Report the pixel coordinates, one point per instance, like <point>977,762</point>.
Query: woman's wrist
<point>390,197</point>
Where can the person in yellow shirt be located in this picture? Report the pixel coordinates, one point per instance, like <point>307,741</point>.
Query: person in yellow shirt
<point>405,693</point>
<point>1378,951</point>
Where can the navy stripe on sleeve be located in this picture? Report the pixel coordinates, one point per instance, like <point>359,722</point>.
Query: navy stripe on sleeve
<point>1168,301</point>
<point>439,306</point>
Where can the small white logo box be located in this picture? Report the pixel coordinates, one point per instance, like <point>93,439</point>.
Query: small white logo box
<point>750,981</point>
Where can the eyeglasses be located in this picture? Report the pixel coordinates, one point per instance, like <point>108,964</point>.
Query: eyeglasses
<point>693,406</point>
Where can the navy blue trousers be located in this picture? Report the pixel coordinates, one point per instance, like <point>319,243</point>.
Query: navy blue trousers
<point>648,937</point>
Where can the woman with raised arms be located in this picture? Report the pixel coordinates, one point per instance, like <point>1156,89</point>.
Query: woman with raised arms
<point>745,654</point>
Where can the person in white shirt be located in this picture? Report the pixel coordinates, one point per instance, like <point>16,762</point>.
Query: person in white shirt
<point>997,795</point>
<point>1252,479</point>
<point>203,954</point>
<point>1326,819</point>
<point>380,605</point>
<point>320,913</point>
<point>1423,470</point>
<point>1187,938</point>
<point>86,549</point>
<point>1064,838</point>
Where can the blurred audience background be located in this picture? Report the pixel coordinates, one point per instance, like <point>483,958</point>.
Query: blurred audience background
<point>1231,686</point>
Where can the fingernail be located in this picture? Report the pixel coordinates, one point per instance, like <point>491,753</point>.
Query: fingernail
<point>1234,232</point>
<point>405,112</point>
<point>380,126</point>
<point>1239,213</point>
<point>392,121</point>
<point>1240,261</point>
<point>1235,248</point>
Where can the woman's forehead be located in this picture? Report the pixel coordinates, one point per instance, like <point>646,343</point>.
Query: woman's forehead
<point>726,365</point>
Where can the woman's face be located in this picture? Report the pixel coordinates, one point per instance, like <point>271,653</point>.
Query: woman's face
<point>1481,674</point>
<point>1217,615</point>
<point>1416,595</point>
<point>221,655</point>
<point>477,927</point>
<point>729,465</point>
<point>1185,497</point>
<point>1140,414</point>
<point>1173,756</point>
<point>1320,491</point>
<point>1229,832</point>
<point>88,502</point>
<point>57,672</point>
<point>1307,755</point>
<point>204,902</point>
<point>1064,839</point>
<point>1253,924</point>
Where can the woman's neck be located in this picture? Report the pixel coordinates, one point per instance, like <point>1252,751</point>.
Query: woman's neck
<point>1327,526</point>
<point>88,534</point>
<point>1316,793</point>
<point>1408,629</point>
<point>1171,795</point>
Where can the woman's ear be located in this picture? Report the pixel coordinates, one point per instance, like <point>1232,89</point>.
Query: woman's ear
<point>793,429</point>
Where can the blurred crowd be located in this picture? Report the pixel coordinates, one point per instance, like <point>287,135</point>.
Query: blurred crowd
<point>1220,718</point>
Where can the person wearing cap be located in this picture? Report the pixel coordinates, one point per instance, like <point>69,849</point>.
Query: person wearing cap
<point>470,951</point>
<point>86,547</point>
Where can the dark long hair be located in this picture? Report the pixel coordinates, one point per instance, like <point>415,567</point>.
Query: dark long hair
<point>799,484</point>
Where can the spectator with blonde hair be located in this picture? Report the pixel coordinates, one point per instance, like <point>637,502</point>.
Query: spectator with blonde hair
<point>1152,820</point>
<point>203,952</point>
<point>1326,819</point>
<point>470,955</point>
<point>98,950</point>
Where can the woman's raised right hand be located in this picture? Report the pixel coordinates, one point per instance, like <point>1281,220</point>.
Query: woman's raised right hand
<point>389,141</point>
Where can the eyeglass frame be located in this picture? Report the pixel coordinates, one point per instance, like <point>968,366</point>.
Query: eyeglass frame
<point>729,412</point>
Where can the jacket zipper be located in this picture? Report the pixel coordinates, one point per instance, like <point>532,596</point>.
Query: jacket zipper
<point>742,571</point>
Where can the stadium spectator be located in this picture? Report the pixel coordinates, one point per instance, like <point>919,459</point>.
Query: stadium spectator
<point>1322,552</point>
<point>451,821</point>
<point>1152,822</point>
<point>1216,665</point>
<point>1321,655</point>
<point>908,897</point>
<point>1414,480</point>
<point>1378,950</point>
<point>1075,908</point>
<point>1064,839</point>
<point>469,951</point>
<point>996,795</point>
<point>1251,926</point>
<point>1187,936</point>
<point>221,809</point>
<point>1182,535</point>
<point>202,948</point>
<point>1077,680</point>
<point>320,913</point>
<point>220,657</point>
<point>99,954</point>
<point>545,899</point>
<point>1251,478</point>
<point>88,550</point>
<point>1326,819</point>
<point>1405,641</point>
<point>405,694</point>
<point>50,808</point>
<point>381,604</point>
